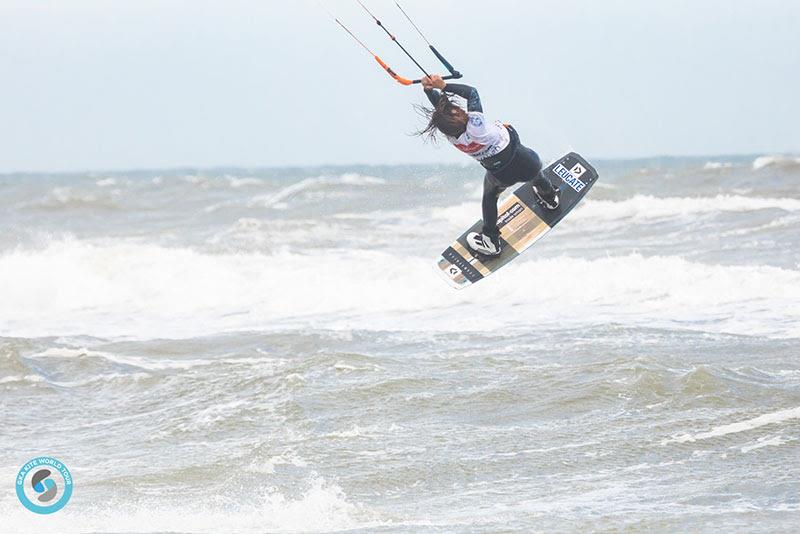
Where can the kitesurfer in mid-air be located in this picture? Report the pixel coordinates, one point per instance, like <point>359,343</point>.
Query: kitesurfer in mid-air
<point>496,147</point>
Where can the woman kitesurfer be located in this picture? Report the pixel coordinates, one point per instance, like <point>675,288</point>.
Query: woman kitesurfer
<point>496,147</point>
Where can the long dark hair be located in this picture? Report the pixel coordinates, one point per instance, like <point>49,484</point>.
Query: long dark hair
<point>446,117</point>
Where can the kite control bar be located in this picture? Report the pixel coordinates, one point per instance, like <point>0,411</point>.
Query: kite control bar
<point>454,74</point>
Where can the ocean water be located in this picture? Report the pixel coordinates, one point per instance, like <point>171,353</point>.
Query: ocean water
<point>237,350</point>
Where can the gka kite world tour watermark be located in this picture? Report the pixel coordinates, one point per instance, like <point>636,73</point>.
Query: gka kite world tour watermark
<point>44,485</point>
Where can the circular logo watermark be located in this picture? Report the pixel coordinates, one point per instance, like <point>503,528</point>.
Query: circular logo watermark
<point>44,485</point>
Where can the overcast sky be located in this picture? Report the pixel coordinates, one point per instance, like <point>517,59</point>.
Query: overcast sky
<point>98,84</point>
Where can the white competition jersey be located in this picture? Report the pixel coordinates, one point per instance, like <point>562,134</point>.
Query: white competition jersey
<point>482,140</point>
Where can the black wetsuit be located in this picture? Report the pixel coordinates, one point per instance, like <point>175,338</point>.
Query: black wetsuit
<point>514,164</point>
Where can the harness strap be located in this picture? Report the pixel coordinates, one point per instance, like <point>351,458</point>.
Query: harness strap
<point>500,161</point>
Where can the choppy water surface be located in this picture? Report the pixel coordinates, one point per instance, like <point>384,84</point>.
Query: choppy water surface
<point>271,350</point>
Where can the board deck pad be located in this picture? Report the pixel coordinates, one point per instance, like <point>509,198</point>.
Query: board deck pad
<point>522,221</point>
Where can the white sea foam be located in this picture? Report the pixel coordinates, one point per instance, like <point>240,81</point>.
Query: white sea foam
<point>277,199</point>
<point>780,222</point>
<point>243,182</point>
<point>760,443</point>
<point>359,179</point>
<point>268,466</point>
<point>646,207</point>
<point>323,507</point>
<point>26,378</point>
<point>195,179</point>
<point>639,208</point>
<point>68,197</point>
<point>128,288</point>
<point>741,426</point>
<point>201,420</point>
<point>717,165</point>
<point>144,363</point>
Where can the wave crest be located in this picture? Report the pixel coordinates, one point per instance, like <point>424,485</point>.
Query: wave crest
<point>147,291</point>
<point>650,207</point>
<point>781,162</point>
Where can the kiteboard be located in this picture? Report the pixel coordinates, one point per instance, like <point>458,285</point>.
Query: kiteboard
<point>522,220</point>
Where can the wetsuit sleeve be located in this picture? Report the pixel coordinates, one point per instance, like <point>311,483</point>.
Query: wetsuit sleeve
<point>433,95</point>
<point>470,94</point>
<point>491,192</point>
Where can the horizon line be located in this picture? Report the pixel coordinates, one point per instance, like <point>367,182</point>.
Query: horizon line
<point>217,167</point>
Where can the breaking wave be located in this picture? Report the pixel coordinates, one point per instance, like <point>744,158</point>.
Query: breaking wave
<point>322,508</point>
<point>741,426</point>
<point>146,291</point>
<point>639,207</point>
<point>781,162</point>
<point>650,207</point>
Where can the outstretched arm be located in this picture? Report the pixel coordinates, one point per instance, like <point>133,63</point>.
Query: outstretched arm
<point>468,93</point>
<point>432,86</point>
<point>433,96</point>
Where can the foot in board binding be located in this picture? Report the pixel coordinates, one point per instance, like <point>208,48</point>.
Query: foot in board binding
<point>550,198</point>
<point>483,244</point>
